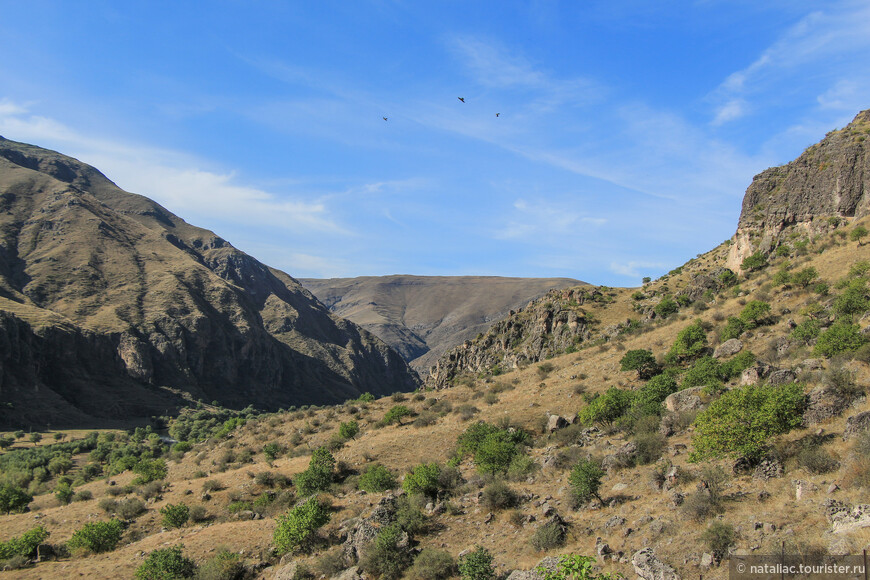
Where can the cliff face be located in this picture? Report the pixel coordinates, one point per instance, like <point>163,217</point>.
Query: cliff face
<point>423,316</point>
<point>830,179</point>
<point>107,296</point>
<point>553,324</point>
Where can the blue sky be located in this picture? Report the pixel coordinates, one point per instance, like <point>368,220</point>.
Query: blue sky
<point>627,131</point>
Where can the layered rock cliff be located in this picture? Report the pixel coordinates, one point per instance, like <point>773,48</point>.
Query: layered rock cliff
<point>831,179</point>
<point>113,307</point>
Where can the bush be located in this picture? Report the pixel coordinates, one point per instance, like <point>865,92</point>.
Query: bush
<point>166,564</point>
<point>97,537</point>
<point>606,408</point>
<point>385,557</point>
<point>719,536</point>
<point>498,496</point>
<point>575,567</point>
<point>318,476</point>
<point>149,470</point>
<point>705,372</point>
<point>297,528</point>
<point>691,342</point>
<point>175,515</point>
<point>640,360</point>
<point>732,329</point>
<point>211,485</point>
<point>585,479</point>
<point>376,478</point>
<point>805,277</point>
<point>422,479</point>
<point>396,414</point>
<point>13,498</point>
<point>83,495</point>
<point>648,399</point>
<point>271,451</point>
<point>755,312</point>
<point>806,331</point>
<point>432,564</point>
<point>348,430</point>
<point>225,565</point>
<point>840,337</point>
<point>741,421</point>
<point>64,493</point>
<point>24,545</point>
<point>816,460</point>
<point>754,262</point>
<point>495,452</point>
<point>477,565</point>
<point>548,536</point>
<point>666,307</point>
<point>130,508</point>
<point>649,448</point>
<point>198,513</point>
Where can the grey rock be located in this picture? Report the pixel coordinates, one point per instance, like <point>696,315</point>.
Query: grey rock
<point>856,424</point>
<point>361,531</point>
<point>555,422</point>
<point>685,400</point>
<point>707,560</point>
<point>782,377</point>
<point>352,573</point>
<point>825,402</point>
<point>648,567</point>
<point>768,468</point>
<point>550,564</point>
<point>728,348</point>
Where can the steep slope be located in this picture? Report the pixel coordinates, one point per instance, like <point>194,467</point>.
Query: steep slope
<point>423,316</point>
<point>109,302</point>
<point>831,179</point>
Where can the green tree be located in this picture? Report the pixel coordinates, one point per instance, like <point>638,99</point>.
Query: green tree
<point>806,330</point>
<point>348,430</point>
<point>755,312</point>
<point>271,451</point>
<point>838,338</point>
<point>376,478</point>
<point>13,498</point>
<point>318,476</point>
<point>648,399</point>
<point>35,438</point>
<point>297,528</point>
<point>396,414</point>
<point>64,493</point>
<point>166,564</point>
<point>149,470</point>
<point>857,233</point>
<point>805,277</point>
<point>666,307</point>
<point>853,300</point>
<point>606,408</point>
<point>97,536</point>
<point>495,453</point>
<point>6,442</point>
<point>640,360</point>
<point>728,278</point>
<point>691,343</point>
<point>24,545</point>
<point>174,515</point>
<point>585,480</point>
<point>754,262</point>
<point>734,327</point>
<point>388,555</point>
<point>423,479</point>
<point>741,421</point>
<point>477,565</point>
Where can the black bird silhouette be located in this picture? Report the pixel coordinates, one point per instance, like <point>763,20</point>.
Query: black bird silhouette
<point>497,114</point>
<point>461,99</point>
<point>385,118</point>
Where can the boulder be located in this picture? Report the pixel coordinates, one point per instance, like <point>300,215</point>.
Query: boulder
<point>728,348</point>
<point>856,424</point>
<point>555,422</point>
<point>550,564</point>
<point>756,373</point>
<point>781,377</point>
<point>845,518</point>
<point>685,400</point>
<point>824,402</point>
<point>360,532</point>
<point>648,567</point>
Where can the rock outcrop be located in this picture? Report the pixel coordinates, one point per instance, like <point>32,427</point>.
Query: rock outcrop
<point>831,179</point>
<point>111,307</point>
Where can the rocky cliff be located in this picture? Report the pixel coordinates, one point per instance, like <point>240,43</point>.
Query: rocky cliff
<point>556,323</point>
<point>423,316</point>
<point>113,307</point>
<point>831,179</point>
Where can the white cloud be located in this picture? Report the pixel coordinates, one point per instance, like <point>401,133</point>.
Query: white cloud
<point>633,269</point>
<point>540,219</point>
<point>171,178</point>
<point>733,109</point>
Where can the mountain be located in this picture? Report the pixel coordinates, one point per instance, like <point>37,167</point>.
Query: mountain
<point>112,307</point>
<point>423,316</point>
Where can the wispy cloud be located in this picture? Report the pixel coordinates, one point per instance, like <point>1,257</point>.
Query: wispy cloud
<point>813,48</point>
<point>542,219</point>
<point>634,269</point>
<point>172,178</point>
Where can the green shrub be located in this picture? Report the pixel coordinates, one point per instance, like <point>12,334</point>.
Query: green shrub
<point>838,338</point>
<point>807,330</point>
<point>376,478</point>
<point>857,233</point>
<point>498,496</point>
<point>13,498</point>
<point>297,528</point>
<point>271,451</point>
<point>805,277</point>
<point>175,515</point>
<point>384,557</point>
<point>575,567</point>
<point>396,414</point>
<point>741,421</point>
<point>224,565</point>
<point>640,360</point>
<point>648,399</point>
<point>83,495</point>
<point>166,564</point>
<point>754,262</point>
<point>198,513</point>
<point>422,479</point>
<point>149,470</point>
<point>719,536</point>
<point>130,508</point>
<point>548,536</point>
<point>706,371</point>
<point>755,312</point>
<point>97,536</point>
<point>739,363</point>
<point>433,564</point>
<point>348,430</point>
<point>318,476</point>
<point>477,565</point>
<point>727,278</point>
<point>733,328</point>
<point>606,408</point>
<point>649,447</point>
<point>24,545</point>
<point>64,493</point>
<point>691,343</point>
<point>585,480</point>
<point>853,300</point>
<point>495,452</point>
<point>666,307</point>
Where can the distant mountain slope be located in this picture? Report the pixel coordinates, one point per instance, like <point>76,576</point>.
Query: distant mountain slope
<point>111,306</point>
<point>423,316</point>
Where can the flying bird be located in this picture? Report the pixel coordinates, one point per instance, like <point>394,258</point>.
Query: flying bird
<point>461,99</point>
<point>497,114</point>
<point>385,118</point>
